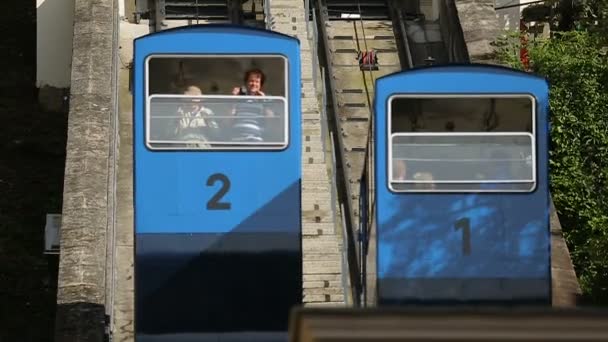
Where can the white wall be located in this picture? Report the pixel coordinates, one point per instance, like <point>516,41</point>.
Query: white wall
<point>508,18</point>
<point>121,8</point>
<point>55,29</point>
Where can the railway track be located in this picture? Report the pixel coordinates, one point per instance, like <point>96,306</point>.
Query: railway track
<point>404,35</point>
<point>352,93</point>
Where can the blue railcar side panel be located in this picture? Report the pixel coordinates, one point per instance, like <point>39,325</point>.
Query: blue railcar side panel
<point>419,252</point>
<point>200,271</point>
<point>256,177</point>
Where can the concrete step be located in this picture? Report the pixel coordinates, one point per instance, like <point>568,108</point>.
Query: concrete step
<point>312,217</point>
<point>298,29</point>
<point>314,148</point>
<point>323,257</point>
<point>311,136</point>
<point>322,284</point>
<point>339,290</point>
<point>318,248</point>
<point>308,89</point>
<point>315,155</point>
<point>313,123</point>
<point>312,119</point>
<point>322,266</point>
<point>312,204</point>
<point>315,187</point>
<point>317,200</point>
<point>323,298</point>
<point>330,277</point>
<point>336,304</point>
<point>321,245</point>
<point>313,161</point>
<point>311,116</point>
<point>317,173</point>
<point>310,104</point>
<point>315,232</point>
<point>326,227</point>
<point>287,5</point>
<point>316,177</point>
<point>312,141</point>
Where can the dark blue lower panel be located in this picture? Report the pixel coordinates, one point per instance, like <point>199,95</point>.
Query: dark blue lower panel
<point>206,283</point>
<point>443,291</point>
<point>217,337</point>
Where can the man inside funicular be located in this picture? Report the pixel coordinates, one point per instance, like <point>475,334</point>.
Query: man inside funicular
<point>252,123</point>
<point>194,118</point>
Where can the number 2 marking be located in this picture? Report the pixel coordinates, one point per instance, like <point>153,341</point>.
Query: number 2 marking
<point>214,203</point>
<point>465,225</point>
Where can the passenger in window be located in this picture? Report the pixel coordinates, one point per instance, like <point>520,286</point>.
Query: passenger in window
<point>194,119</point>
<point>250,126</point>
<point>499,168</point>
<point>424,176</point>
<point>399,170</point>
<point>501,165</point>
<point>254,81</point>
<point>399,174</point>
<point>449,126</point>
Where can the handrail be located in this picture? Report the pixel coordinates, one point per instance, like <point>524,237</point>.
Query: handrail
<point>267,17</point>
<point>363,233</point>
<point>402,34</point>
<point>452,34</point>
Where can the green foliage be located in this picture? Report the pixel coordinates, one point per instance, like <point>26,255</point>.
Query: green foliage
<point>577,70</point>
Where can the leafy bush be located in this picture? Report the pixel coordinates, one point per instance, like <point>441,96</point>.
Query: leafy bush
<point>576,66</point>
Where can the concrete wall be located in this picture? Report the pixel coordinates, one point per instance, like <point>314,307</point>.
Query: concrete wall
<point>89,183</point>
<point>480,28</point>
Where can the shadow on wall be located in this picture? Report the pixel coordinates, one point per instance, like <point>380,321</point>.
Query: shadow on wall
<point>89,317</point>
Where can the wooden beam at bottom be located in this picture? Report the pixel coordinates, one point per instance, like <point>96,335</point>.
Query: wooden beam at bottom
<point>450,324</point>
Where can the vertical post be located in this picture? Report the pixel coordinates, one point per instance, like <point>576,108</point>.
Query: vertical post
<point>313,49</point>
<point>306,14</point>
<point>363,229</point>
<point>157,9</point>
<point>234,12</point>
<point>130,11</point>
<point>324,94</point>
<point>267,19</point>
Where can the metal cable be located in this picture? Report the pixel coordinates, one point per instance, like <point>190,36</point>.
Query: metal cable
<point>367,171</point>
<point>368,156</point>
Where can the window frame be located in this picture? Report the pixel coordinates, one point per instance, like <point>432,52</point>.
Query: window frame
<point>390,136</point>
<point>236,146</point>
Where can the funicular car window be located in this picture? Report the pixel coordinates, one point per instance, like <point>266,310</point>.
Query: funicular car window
<point>205,102</point>
<point>462,143</point>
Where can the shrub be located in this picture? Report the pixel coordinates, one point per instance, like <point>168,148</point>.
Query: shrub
<point>576,67</point>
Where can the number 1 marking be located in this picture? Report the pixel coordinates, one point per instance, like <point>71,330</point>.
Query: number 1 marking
<point>465,225</point>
